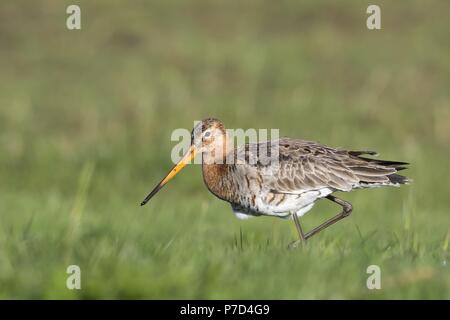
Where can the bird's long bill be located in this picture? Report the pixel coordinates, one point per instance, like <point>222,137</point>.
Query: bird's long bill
<point>177,168</point>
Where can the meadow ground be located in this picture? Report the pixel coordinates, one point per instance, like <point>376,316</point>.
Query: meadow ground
<point>85,124</point>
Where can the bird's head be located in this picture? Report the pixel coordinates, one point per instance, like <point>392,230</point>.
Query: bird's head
<point>209,138</point>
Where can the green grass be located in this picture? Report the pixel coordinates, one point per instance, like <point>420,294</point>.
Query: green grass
<point>85,124</point>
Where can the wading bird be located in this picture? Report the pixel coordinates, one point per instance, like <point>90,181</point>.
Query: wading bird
<point>300,173</point>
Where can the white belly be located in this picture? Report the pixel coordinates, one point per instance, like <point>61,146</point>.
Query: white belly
<point>283,205</point>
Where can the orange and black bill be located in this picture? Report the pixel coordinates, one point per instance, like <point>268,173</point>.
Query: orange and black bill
<point>177,168</point>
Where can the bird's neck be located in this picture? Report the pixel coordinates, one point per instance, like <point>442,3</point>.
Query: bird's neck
<point>217,173</point>
<point>218,180</point>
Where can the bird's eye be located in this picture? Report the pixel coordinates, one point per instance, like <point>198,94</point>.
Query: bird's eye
<point>207,134</point>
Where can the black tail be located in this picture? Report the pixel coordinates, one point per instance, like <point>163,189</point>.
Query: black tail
<point>387,169</point>
<point>398,179</point>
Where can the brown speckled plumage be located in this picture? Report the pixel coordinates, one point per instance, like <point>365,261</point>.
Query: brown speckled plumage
<point>304,172</point>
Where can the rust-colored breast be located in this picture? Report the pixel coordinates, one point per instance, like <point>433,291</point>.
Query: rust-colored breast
<point>218,179</point>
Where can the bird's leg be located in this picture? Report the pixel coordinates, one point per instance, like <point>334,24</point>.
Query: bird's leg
<point>346,210</point>
<point>299,230</point>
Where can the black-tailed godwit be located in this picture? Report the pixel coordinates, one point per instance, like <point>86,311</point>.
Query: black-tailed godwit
<point>304,172</point>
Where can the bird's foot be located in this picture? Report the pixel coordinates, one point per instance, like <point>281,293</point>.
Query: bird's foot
<point>295,244</point>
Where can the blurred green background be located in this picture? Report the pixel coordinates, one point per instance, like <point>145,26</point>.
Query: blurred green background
<point>85,124</point>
